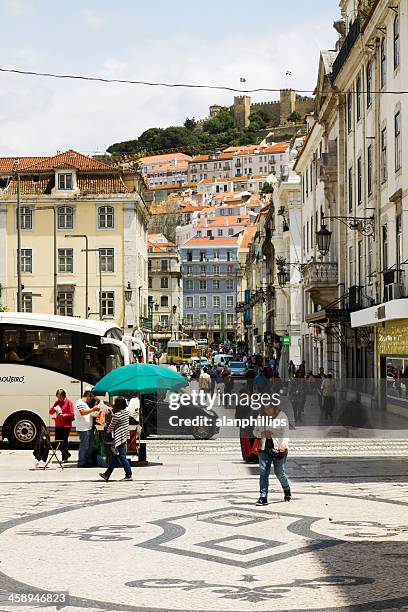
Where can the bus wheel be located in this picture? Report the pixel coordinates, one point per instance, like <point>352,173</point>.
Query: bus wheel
<point>21,429</point>
<point>203,433</point>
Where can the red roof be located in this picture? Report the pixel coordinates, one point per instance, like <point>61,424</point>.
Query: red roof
<point>215,241</point>
<point>68,159</point>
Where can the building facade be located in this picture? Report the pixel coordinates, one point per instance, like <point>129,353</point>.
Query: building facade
<point>168,169</point>
<point>211,276</point>
<point>165,312</point>
<point>74,210</point>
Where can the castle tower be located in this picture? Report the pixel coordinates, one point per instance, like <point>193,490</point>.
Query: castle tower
<point>242,110</point>
<point>287,104</point>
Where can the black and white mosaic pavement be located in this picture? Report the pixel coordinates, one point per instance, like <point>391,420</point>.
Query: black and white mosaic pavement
<point>203,545</point>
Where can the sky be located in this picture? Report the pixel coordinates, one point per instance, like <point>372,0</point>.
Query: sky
<point>214,42</point>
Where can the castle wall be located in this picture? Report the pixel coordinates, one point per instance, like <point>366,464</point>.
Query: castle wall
<point>272,110</point>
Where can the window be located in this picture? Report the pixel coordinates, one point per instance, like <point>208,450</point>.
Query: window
<point>397,136</point>
<point>349,114</point>
<point>383,161</point>
<point>203,301</point>
<point>26,218</point>
<point>150,282</point>
<point>216,284</point>
<point>230,231</point>
<point>65,260</point>
<point>370,170</point>
<point>216,301</point>
<point>359,182</point>
<point>26,260</point>
<point>28,344</point>
<point>107,303</point>
<point>230,283</point>
<point>189,255</point>
<point>202,255</point>
<point>398,241</point>
<point>360,279</point>
<point>217,319</point>
<point>107,260</point>
<point>64,181</point>
<point>230,301</point>
<point>203,270</point>
<point>385,247</point>
<point>203,319</point>
<point>383,62</point>
<point>198,234</point>
<point>203,285</point>
<point>189,320</point>
<point>164,282</point>
<point>358,98</point>
<point>164,301</point>
<point>369,78</point>
<point>189,269</point>
<point>106,217</point>
<point>230,270</point>
<point>189,301</point>
<point>65,301</point>
<point>27,302</point>
<point>350,189</point>
<point>396,41</point>
<point>230,320</point>
<point>351,267</point>
<point>189,284</point>
<point>164,264</point>
<point>65,216</point>
<point>164,321</point>
<point>216,269</point>
<point>228,255</point>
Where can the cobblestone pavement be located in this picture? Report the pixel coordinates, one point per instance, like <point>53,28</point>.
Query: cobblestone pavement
<point>186,535</point>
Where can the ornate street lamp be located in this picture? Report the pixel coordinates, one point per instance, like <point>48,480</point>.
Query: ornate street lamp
<point>282,277</point>
<point>128,292</point>
<point>323,239</point>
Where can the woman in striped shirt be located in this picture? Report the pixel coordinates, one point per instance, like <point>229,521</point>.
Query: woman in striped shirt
<point>119,426</point>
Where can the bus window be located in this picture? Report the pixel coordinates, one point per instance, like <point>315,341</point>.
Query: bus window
<point>187,351</point>
<point>42,348</point>
<point>99,360</point>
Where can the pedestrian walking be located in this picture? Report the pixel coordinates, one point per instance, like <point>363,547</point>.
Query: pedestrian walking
<point>213,376</point>
<point>85,409</point>
<point>297,396</point>
<point>328,390</point>
<point>273,444</point>
<point>204,381</point>
<point>62,411</point>
<point>119,427</point>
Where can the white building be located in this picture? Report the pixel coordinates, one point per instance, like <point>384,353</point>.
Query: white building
<point>169,169</point>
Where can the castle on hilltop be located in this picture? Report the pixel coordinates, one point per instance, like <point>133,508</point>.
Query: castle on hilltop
<point>277,112</point>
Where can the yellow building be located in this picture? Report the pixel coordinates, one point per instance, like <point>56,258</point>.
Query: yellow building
<point>74,210</point>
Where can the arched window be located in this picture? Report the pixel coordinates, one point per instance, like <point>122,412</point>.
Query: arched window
<point>106,217</point>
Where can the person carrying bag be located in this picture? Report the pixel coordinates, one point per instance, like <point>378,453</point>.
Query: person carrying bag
<point>119,427</point>
<point>272,445</point>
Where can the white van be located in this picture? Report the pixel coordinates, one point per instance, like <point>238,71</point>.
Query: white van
<point>222,358</point>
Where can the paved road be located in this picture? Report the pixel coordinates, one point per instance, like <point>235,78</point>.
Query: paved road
<point>186,535</point>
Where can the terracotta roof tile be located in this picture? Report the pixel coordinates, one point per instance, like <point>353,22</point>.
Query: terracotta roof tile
<point>216,241</point>
<point>71,159</point>
<point>163,158</point>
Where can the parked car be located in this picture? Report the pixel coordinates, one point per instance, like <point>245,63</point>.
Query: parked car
<point>157,418</point>
<point>223,359</point>
<point>238,369</point>
<point>200,362</point>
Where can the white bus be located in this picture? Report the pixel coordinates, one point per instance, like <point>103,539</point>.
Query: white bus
<point>42,353</point>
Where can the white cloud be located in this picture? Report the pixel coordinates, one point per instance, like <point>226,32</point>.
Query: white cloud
<point>44,115</point>
<point>17,8</point>
<point>94,20</point>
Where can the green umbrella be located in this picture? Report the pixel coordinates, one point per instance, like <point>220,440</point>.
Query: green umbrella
<point>139,378</point>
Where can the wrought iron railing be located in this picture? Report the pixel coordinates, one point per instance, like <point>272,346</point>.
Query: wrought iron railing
<point>348,44</point>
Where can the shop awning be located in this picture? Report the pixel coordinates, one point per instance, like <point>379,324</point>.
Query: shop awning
<point>389,311</point>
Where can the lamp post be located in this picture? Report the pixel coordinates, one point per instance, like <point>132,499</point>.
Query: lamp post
<point>100,278</point>
<point>19,287</point>
<point>86,268</point>
<point>174,320</point>
<point>54,209</point>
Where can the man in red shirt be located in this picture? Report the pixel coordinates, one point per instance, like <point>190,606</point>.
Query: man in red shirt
<point>63,412</point>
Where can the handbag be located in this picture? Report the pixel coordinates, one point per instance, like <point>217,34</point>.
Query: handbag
<point>107,436</point>
<point>273,452</point>
<point>256,447</point>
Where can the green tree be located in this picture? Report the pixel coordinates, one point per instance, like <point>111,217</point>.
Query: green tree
<point>294,117</point>
<point>190,124</point>
<point>221,122</point>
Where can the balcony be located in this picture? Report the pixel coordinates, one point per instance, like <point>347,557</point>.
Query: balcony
<point>327,163</point>
<point>347,46</point>
<point>320,281</point>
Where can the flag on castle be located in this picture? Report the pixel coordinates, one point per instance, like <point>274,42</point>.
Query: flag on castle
<point>242,80</point>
